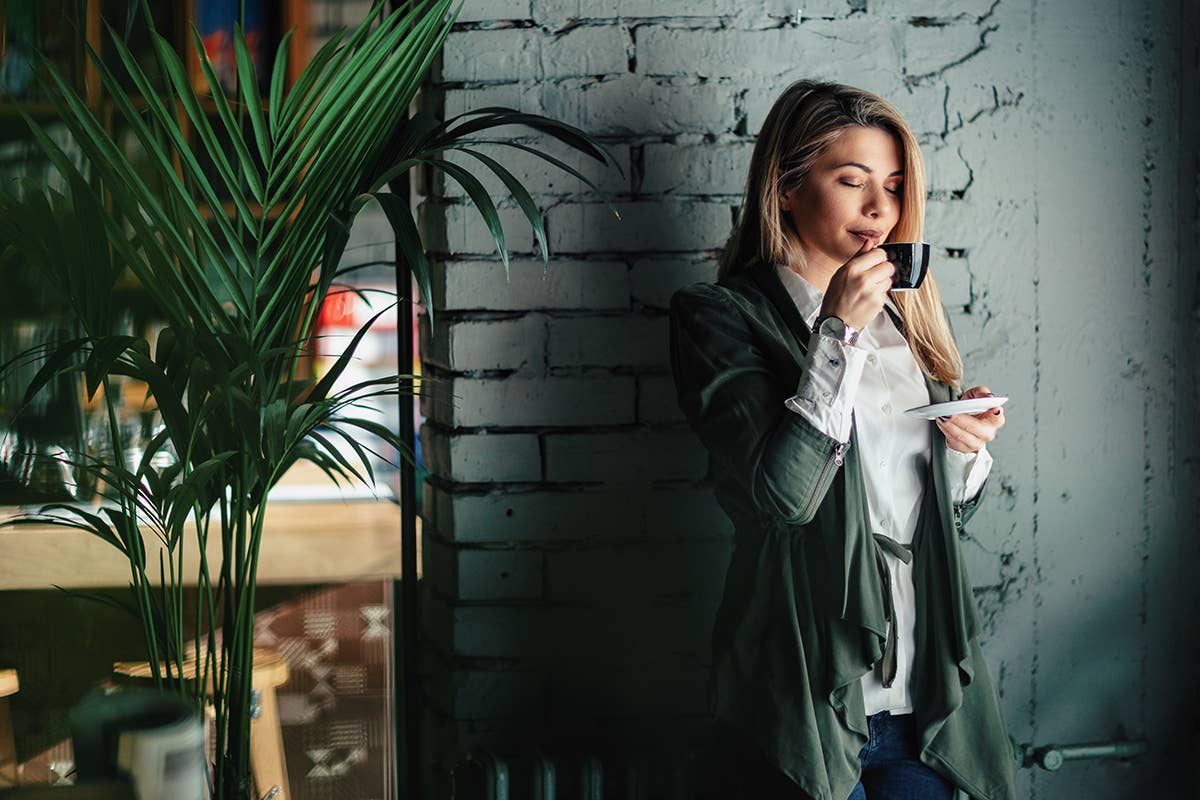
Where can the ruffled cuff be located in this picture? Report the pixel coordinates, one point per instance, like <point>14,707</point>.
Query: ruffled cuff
<point>828,385</point>
<point>968,471</point>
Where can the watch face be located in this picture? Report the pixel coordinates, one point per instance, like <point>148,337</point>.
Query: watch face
<point>834,327</point>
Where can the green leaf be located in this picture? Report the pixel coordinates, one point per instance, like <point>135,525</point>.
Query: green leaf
<point>408,239</point>
<point>482,200</point>
<point>252,100</point>
<point>278,78</point>
<point>523,199</point>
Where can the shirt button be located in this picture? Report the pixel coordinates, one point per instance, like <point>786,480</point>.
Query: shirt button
<point>887,408</point>
<point>883,465</point>
<point>871,359</point>
<point>883,523</point>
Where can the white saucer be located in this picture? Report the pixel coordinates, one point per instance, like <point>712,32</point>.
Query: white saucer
<point>975,405</point>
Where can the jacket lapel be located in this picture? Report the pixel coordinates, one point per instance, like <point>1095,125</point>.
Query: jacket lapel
<point>763,275</point>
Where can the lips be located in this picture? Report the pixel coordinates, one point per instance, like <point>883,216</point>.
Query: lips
<point>869,234</point>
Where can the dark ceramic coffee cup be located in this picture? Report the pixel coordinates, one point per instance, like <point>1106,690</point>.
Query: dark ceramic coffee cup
<point>911,260</point>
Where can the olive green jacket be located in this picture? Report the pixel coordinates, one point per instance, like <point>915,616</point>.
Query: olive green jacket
<point>802,616</point>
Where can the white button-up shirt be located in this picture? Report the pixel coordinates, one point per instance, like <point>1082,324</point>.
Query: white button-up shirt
<point>878,379</point>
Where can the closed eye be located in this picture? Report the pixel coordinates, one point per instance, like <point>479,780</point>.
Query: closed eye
<point>895,191</point>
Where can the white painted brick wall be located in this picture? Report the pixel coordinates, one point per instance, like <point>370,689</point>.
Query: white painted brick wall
<point>482,457</point>
<point>492,574</point>
<point>516,54</point>
<point>592,227</point>
<point>473,402</point>
<point>696,168</point>
<point>482,344</point>
<point>621,457</point>
<point>629,104</point>
<point>561,284</point>
<point>656,399</point>
<point>561,515</point>
<point>647,572</point>
<point>653,281</point>
<point>540,177</point>
<point>608,341</point>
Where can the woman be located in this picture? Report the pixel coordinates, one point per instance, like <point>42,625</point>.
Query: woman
<point>846,661</point>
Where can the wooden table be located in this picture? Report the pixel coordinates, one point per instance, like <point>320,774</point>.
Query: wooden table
<point>304,541</point>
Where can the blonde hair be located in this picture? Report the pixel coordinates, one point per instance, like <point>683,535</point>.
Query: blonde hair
<point>801,125</point>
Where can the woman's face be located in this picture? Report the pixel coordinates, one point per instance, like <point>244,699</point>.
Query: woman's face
<point>854,186</point>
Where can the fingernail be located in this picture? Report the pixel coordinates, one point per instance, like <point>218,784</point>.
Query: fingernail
<point>996,412</point>
<point>942,419</point>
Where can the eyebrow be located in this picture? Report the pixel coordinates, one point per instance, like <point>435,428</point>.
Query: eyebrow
<point>865,168</point>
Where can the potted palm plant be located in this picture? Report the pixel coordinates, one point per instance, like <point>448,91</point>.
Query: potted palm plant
<point>239,294</point>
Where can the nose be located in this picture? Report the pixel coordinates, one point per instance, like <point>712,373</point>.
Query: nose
<point>879,202</point>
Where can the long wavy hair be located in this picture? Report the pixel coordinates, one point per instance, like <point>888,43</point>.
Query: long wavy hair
<point>802,123</point>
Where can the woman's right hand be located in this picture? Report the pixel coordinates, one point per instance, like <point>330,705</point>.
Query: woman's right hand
<point>857,290</point>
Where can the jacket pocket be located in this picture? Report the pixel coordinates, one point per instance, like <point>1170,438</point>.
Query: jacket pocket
<point>837,457</point>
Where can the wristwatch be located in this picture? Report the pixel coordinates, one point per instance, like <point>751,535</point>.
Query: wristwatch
<point>833,326</point>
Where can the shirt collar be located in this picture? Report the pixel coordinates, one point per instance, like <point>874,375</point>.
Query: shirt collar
<point>808,297</point>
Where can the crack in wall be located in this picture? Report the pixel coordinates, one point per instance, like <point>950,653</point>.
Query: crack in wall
<point>917,80</point>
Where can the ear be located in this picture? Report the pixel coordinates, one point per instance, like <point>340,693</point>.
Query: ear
<point>784,203</point>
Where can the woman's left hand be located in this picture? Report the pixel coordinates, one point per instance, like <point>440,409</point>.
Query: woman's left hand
<point>968,433</point>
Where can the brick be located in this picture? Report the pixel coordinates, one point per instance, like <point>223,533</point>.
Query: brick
<point>643,226</point>
<point>928,49</point>
<point>493,10</point>
<point>946,169</point>
<point>653,281</point>
<point>552,12</point>
<point>536,174</point>
<point>608,341</point>
<point>686,513</point>
<point>473,575</point>
<point>507,54</point>
<point>908,9</point>
<point>465,285</point>
<point>923,107</point>
<point>639,456</point>
<point>460,228</point>
<point>586,50</point>
<point>489,694</point>
<point>696,168</point>
<point>811,9</point>
<point>871,46</point>
<point>953,279</point>
<point>467,402</point>
<point>516,344</point>
<point>533,516</point>
<point>630,104</point>
<point>528,55</point>
<point>878,71</point>
<point>552,634</point>
<point>519,96</point>
<point>656,401</point>
<point>649,572</point>
<point>481,457</point>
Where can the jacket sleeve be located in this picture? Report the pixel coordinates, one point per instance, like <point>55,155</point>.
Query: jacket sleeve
<point>965,509</point>
<point>735,403</point>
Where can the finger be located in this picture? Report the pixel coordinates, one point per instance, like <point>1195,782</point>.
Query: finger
<point>985,430</point>
<point>865,261</point>
<point>994,416</point>
<point>956,439</point>
<point>973,439</point>
<point>880,274</point>
<point>977,391</point>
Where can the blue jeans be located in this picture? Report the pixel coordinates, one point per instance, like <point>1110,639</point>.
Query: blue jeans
<point>891,769</point>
